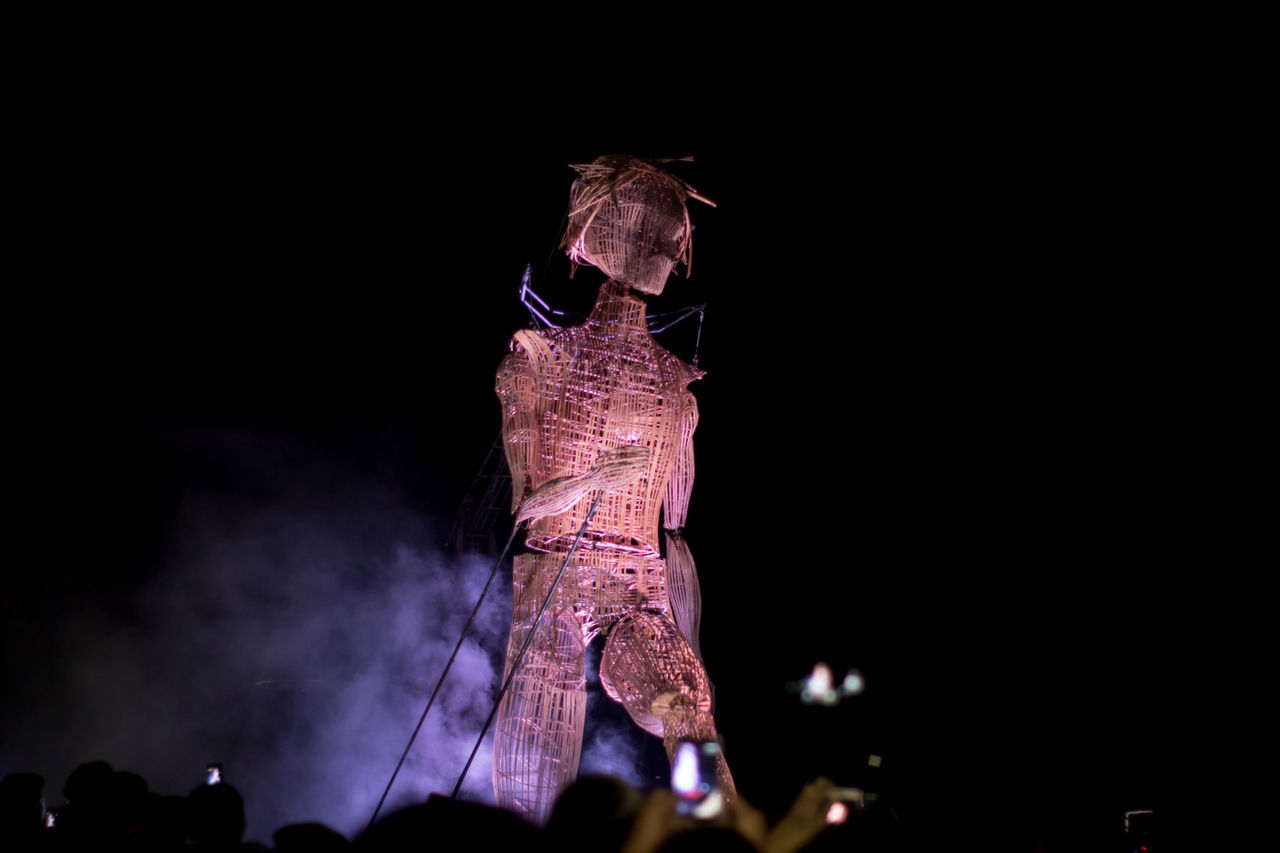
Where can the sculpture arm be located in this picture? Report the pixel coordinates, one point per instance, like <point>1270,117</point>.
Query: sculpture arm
<point>675,503</point>
<point>683,589</point>
<point>516,387</point>
<point>613,470</point>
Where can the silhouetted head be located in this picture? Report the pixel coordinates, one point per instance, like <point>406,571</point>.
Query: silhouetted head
<point>444,823</point>
<point>308,838</point>
<point>594,813</point>
<point>90,781</point>
<point>215,816</point>
<point>710,839</point>
<point>628,217</point>
<point>21,803</point>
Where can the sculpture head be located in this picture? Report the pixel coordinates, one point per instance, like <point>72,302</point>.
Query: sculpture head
<point>628,217</point>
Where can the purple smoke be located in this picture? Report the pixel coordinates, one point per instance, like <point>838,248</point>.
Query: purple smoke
<point>293,633</point>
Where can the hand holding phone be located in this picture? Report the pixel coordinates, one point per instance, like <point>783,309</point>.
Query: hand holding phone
<point>695,781</point>
<point>840,801</point>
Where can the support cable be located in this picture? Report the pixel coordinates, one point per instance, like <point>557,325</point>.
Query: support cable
<point>440,681</point>
<point>526,290</point>
<point>515,667</point>
<point>697,344</point>
<point>660,320</point>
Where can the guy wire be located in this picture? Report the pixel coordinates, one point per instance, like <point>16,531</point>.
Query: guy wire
<point>447,666</point>
<point>537,620</point>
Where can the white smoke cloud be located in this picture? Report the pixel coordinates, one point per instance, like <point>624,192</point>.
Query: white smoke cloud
<point>611,751</point>
<point>294,634</point>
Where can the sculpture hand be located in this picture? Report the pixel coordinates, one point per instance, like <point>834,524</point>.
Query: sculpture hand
<point>613,470</point>
<point>552,498</point>
<point>620,467</point>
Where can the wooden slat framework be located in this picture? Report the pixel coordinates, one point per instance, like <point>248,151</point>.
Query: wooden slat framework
<point>602,409</point>
<point>628,217</point>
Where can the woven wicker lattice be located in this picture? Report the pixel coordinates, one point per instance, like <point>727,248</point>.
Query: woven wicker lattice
<point>628,217</point>
<point>603,396</point>
<point>650,668</point>
<point>546,704</point>
<point>602,409</point>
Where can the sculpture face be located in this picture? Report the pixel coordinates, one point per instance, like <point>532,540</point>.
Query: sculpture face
<point>629,219</point>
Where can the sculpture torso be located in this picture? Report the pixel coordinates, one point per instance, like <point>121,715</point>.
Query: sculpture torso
<point>594,388</point>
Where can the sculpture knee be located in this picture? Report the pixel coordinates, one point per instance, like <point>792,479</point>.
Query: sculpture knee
<point>650,668</point>
<point>555,656</point>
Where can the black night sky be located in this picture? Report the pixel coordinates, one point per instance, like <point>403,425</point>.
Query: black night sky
<point>937,422</point>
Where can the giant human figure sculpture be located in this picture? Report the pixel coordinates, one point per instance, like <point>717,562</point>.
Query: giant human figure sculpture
<point>601,410</point>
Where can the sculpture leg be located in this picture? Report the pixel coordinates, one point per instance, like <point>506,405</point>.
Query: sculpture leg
<point>538,739</point>
<point>650,668</point>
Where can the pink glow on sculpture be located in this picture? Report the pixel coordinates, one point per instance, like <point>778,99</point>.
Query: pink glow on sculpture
<point>601,409</point>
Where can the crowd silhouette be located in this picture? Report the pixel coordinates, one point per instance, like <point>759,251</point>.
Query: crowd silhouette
<point>104,809</point>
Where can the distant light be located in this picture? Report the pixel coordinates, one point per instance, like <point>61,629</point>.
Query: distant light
<point>853,683</point>
<point>873,761</point>
<point>820,680</point>
<point>820,688</point>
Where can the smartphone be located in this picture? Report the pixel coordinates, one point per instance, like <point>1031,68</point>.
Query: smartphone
<point>212,774</point>
<point>694,780</point>
<point>841,801</point>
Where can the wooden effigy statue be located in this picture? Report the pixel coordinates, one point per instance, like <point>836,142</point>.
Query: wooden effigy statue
<point>601,410</point>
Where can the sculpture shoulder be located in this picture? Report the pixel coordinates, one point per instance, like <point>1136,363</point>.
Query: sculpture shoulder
<point>530,341</point>
<point>529,349</point>
<point>545,349</point>
<point>679,369</point>
<point>536,356</point>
